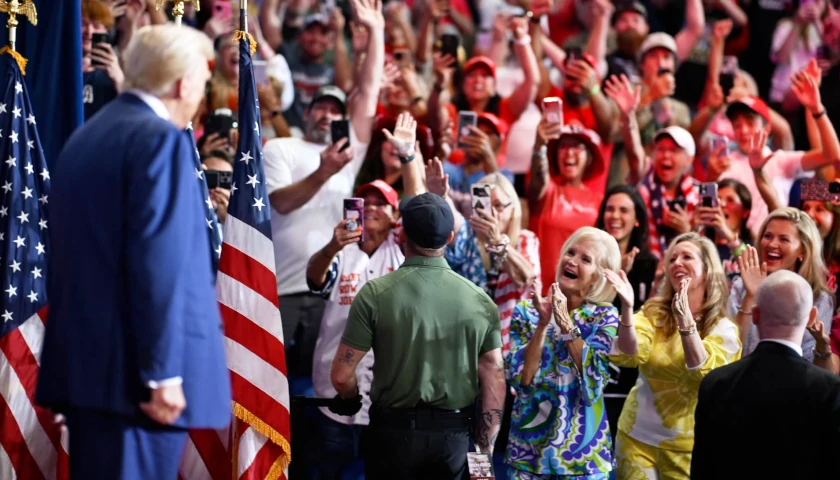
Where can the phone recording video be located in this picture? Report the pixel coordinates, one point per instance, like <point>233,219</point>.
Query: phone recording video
<point>466,119</point>
<point>354,212</point>
<point>728,70</point>
<point>709,194</point>
<point>340,129</point>
<point>480,193</point>
<point>221,121</point>
<point>553,110</point>
<point>218,179</point>
<point>449,44</point>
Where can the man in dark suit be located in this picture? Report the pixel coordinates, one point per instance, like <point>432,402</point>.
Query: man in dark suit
<point>771,414</point>
<point>133,351</point>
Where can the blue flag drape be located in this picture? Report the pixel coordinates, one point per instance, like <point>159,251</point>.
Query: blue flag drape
<point>54,72</point>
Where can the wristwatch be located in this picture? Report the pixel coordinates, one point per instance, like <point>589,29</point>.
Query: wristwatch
<point>573,334</point>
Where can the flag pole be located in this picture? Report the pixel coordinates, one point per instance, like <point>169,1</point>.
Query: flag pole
<point>15,8</point>
<point>177,8</point>
<point>243,15</point>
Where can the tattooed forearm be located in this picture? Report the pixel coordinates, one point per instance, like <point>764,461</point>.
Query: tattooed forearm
<point>488,429</point>
<point>348,358</point>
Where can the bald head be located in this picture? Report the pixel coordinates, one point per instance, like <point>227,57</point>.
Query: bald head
<point>784,303</point>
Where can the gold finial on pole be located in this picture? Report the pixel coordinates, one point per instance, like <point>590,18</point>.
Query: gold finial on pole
<point>177,8</point>
<point>15,8</point>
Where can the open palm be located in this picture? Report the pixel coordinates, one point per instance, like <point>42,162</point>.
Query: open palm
<point>405,133</point>
<point>369,14</point>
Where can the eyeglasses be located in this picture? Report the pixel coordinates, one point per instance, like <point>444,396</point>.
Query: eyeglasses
<point>500,208</point>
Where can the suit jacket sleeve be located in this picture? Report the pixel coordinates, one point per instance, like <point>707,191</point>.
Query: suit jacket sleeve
<point>700,458</point>
<point>161,216</point>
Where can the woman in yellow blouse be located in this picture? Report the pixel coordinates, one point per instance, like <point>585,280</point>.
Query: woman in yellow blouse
<point>677,338</point>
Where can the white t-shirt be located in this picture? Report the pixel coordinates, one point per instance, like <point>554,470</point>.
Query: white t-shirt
<point>301,233</point>
<point>782,170</point>
<point>350,271</point>
<point>524,130</point>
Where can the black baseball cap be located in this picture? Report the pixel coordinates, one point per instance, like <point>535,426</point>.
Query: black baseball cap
<point>427,220</point>
<point>629,6</point>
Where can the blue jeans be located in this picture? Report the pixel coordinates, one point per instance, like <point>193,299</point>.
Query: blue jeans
<point>336,450</point>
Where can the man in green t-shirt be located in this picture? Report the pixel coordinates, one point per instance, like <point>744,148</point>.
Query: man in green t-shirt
<point>437,348</point>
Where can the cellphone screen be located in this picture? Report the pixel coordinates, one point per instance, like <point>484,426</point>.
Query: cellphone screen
<point>340,129</point>
<point>553,110</point>
<point>481,197</point>
<point>449,45</point>
<point>354,209</point>
<point>709,194</point>
<point>466,119</point>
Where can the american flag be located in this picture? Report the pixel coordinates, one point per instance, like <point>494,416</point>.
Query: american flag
<point>32,446</point>
<point>213,230</point>
<point>258,442</point>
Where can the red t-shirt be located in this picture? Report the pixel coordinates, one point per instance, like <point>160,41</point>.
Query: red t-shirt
<point>562,211</point>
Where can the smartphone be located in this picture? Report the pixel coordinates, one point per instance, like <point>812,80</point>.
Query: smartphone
<point>354,210</point>
<point>728,70</point>
<point>402,57</point>
<point>222,9</point>
<point>466,119</point>
<point>721,142</point>
<point>709,194</point>
<point>261,72</point>
<point>218,179</point>
<point>481,197</point>
<point>340,129</point>
<point>673,204</point>
<point>96,39</point>
<point>574,53</point>
<point>449,45</point>
<point>553,110</point>
<point>220,121</point>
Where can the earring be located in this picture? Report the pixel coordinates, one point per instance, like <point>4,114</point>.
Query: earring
<point>637,224</point>
<point>801,259</point>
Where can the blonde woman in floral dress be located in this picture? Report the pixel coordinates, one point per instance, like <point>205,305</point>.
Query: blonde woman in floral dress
<point>677,338</point>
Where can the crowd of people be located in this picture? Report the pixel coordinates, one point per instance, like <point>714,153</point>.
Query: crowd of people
<point>655,171</point>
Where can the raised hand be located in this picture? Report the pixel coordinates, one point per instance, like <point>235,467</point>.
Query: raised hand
<point>486,226</point>
<point>560,308</point>
<point>519,27</point>
<point>342,237</point>
<point>437,182</point>
<point>622,287</point>
<point>477,144</point>
<point>444,67</point>
<point>404,136</point>
<point>368,13</point>
<point>623,93</point>
<point>753,272</point>
<point>721,29</point>
<point>546,132</point>
<point>102,55</point>
<point>333,159</point>
<point>756,153</point>
<point>679,305</point>
<point>628,259</point>
<point>807,88</point>
<point>586,76</point>
<point>543,307</point>
<point>358,37</point>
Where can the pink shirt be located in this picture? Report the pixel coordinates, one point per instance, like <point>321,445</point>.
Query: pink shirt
<point>782,169</point>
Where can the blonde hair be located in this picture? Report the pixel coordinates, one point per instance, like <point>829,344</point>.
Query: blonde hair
<point>515,225</point>
<point>609,258</point>
<point>812,267</point>
<point>716,289</point>
<point>160,55</point>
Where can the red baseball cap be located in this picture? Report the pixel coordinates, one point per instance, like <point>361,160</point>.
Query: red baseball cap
<point>380,186</point>
<point>497,123</point>
<point>480,61</point>
<point>752,103</point>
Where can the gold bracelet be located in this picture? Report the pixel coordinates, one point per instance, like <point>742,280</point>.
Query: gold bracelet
<point>628,325</point>
<point>741,310</point>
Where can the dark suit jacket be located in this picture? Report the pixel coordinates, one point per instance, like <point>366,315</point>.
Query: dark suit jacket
<point>131,291</point>
<point>770,415</point>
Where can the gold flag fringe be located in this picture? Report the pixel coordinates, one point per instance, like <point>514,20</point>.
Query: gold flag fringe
<point>18,58</point>
<point>282,463</point>
<point>240,35</point>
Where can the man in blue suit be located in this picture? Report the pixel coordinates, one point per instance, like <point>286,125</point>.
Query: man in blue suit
<point>133,351</point>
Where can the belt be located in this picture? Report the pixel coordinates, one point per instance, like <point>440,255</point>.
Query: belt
<point>419,418</point>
